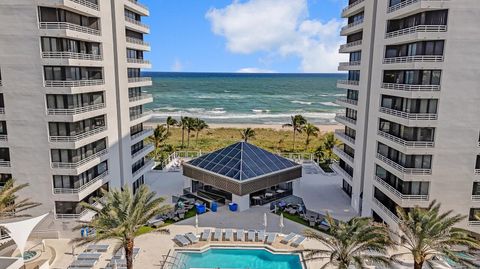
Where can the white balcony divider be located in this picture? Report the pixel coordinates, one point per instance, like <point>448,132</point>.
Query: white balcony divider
<point>74,83</point>
<point>69,26</point>
<point>407,3</point>
<point>87,4</point>
<point>139,23</point>
<point>405,143</point>
<point>351,25</point>
<point>400,195</point>
<point>140,97</point>
<point>417,29</point>
<point>139,79</point>
<point>414,59</point>
<point>81,188</point>
<point>146,148</point>
<point>78,137</point>
<point>410,88</point>
<point>409,116</point>
<point>71,55</point>
<point>352,5</point>
<point>137,41</point>
<point>74,111</point>
<point>341,133</point>
<point>79,163</point>
<point>145,131</point>
<point>404,170</point>
<point>386,210</point>
<point>137,61</point>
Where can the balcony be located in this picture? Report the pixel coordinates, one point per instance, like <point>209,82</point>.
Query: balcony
<point>86,4</point>
<point>406,144</point>
<point>84,215</point>
<point>337,168</point>
<point>79,137</point>
<point>139,82</point>
<point>349,47</point>
<point>74,111</point>
<point>138,63</point>
<point>78,194</point>
<point>409,116</point>
<point>410,87</point>
<point>2,112</point>
<point>3,138</point>
<point>343,155</point>
<point>341,118</point>
<point>345,102</point>
<point>417,29</point>
<point>352,8</point>
<point>385,210</point>
<point>64,55</point>
<point>348,84</point>
<point>414,59</point>
<point>476,198</point>
<point>144,98</point>
<point>404,170</point>
<point>69,26</point>
<point>5,164</point>
<point>147,148</point>
<point>147,166</point>
<point>474,223</point>
<point>136,25</point>
<point>1,83</point>
<point>423,3</point>
<point>62,165</point>
<point>477,172</point>
<point>74,83</point>
<point>345,138</point>
<point>136,43</point>
<point>138,7</point>
<point>385,187</point>
<point>352,28</point>
<point>343,66</point>
<point>147,131</point>
<point>141,115</point>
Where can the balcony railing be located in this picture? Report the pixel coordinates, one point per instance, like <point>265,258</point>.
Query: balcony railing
<point>71,55</point>
<point>351,44</point>
<point>137,41</point>
<point>386,210</point>
<point>74,216</point>
<point>74,111</point>
<point>138,4</point>
<point>74,83</point>
<point>86,3</point>
<point>340,170</point>
<point>407,3</point>
<point>413,59</point>
<point>417,29</point>
<point>404,170</point>
<point>341,133</point>
<point>69,26</point>
<point>409,116</point>
<point>137,116</point>
<point>342,154</point>
<point>140,97</point>
<point>145,131</point>
<point>474,223</point>
<point>477,172</point>
<point>146,148</point>
<point>348,82</point>
<point>347,64</point>
<point>410,87</point>
<point>148,163</point>
<point>351,25</point>
<point>408,197</point>
<point>78,137</point>
<point>405,143</point>
<point>1,83</point>
<point>343,118</point>
<point>139,23</point>
<point>79,163</point>
<point>476,198</point>
<point>137,61</point>
<point>3,137</point>
<point>4,163</point>
<point>139,79</point>
<point>352,5</point>
<point>347,101</point>
<point>81,188</point>
<point>2,110</point>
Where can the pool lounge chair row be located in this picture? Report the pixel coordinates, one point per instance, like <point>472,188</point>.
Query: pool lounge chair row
<point>296,240</point>
<point>119,260</point>
<point>89,258</point>
<point>226,235</point>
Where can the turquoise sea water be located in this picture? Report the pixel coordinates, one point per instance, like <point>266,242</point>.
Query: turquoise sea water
<point>245,98</point>
<point>239,258</point>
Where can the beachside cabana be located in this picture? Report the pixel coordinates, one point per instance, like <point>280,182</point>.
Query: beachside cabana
<point>241,170</point>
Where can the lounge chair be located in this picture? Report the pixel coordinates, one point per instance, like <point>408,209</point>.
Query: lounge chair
<point>89,256</point>
<point>288,238</point>
<point>83,263</point>
<point>121,253</point>
<point>261,236</point>
<point>191,237</point>
<point>119,262</point>
<point>181,240</point>
<point>297,242</point>
<point>97,248</point>
<point>205,235</point>
<point>240,235</point>
<point>271,238</point>
<point>228,235</point>
<point>251,235</point>
<point>217,234</point>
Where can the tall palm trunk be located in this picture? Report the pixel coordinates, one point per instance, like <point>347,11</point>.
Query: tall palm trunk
<point>129,253</point>
<point>168,128</point>
<point>307,141</point>
<point>188,139</point>
<point>196,138</point>
<point>183,136</point>
<point>294,133</point>
<point>417,265</point>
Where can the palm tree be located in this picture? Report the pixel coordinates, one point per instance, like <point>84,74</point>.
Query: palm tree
<point>325,151</point>
<point>199,125</point>
<point>296,123</point>
<point>310,130</point>
<point>160,134</point>
<point>352,243</point>
<point>10,205</point>
<point>247,134</point>
<point>183,124</point>
<point>120,216</point>
<point>170,122</point>
<point>189,126</point>
<point>428,234</point>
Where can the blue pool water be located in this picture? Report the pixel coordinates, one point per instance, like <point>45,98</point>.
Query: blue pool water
<point>239,258</point>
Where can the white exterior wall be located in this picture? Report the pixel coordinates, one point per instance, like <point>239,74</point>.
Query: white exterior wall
<point>243,202</point>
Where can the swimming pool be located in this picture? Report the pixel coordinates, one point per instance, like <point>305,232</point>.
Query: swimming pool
<point>238,258</point>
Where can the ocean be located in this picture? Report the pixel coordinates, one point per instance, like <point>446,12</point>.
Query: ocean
<point>236,98</point>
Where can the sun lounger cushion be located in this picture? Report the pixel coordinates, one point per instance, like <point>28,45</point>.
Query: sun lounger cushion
<point>83,263</point>
<point>297,242</point>
<point>261,236</point>
<point>271,238</point>
<point>217,234</point>
<point>228,234</point>
<point>182,240</point>
<point>205,235</point>
<point>240,235</point>
<point>88,256</point>
<point>191,237</point>
<point>251,235</point>
<point>288,238</point>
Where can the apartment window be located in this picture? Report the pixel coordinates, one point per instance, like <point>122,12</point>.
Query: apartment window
<point>354,37</point>
<point>412,77</point>
<point>351,113</point>
<point>347,168</point>
<point>132,15</point>
<point>53,44</point>
<point>404,187</point>
<point>415,49</point>
<point>424,106</point>
<point>133,34</point>
<point>136,129</point>
<point>134,92</point>
<point>72,73</point>
<point>2,102</point>
<point>136,148</point>
<point>355,18</point>
<point>138,165</point>
<point>476,188</point>
<point>139,182</point>
<point>74,182</point>
<point>133,72</point>
<point>407,133</point>
<point>3,127</point>
<point>350,151</point>
<point>134,54</point>
<point>354,75</point>
<point>477,163</point>
<point>407,161</point>
<point>347,188</point>
<point>76,128</point>
<point>70,101</point>
<point>474,213</point>
<point>350,132</point>
<point>47,14</point>
<point>437,17</point>
<point>136,110</point>
<point>352,95</point>
<point>4,154</point>
<point>4,178</point>
<point>355,56</point>
<point>76,155</point>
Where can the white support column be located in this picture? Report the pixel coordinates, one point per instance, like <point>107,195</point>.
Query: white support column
<point>242,201</point>
<point>187,183</point>
<point>296,187</point>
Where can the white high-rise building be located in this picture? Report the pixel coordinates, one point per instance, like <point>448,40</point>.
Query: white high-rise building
<point>412,114</point>
<point>72,104</point>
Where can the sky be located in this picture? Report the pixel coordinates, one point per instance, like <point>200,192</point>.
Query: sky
<point>256,36</point>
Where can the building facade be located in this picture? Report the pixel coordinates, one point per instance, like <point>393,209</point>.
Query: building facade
<point>72,100</point>
<point>411,111</point>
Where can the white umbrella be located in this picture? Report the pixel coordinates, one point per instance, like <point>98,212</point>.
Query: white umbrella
<point>281,223</point>
<point>265,221</point>
<point>196,222</point>
<point>114,265</point>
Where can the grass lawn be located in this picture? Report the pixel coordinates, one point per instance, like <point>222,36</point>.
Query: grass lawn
<point>146,229</point>
<point>298,219</point>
